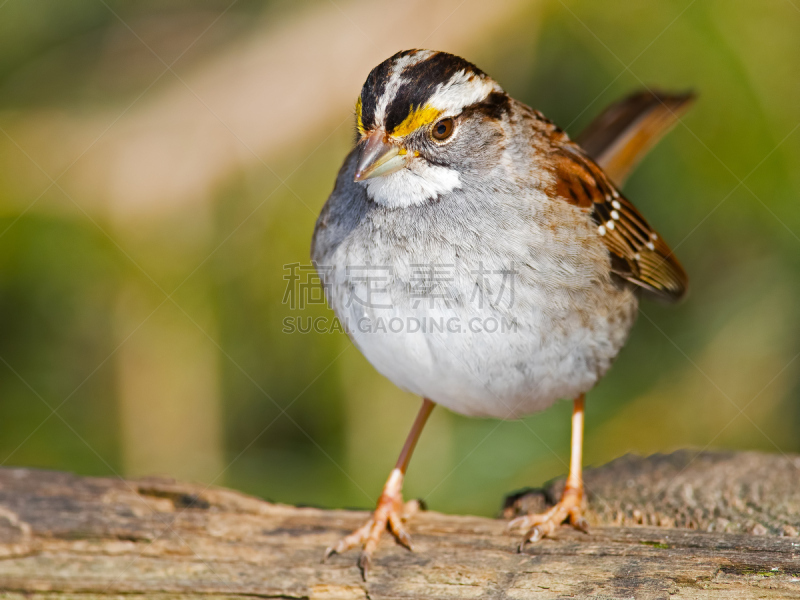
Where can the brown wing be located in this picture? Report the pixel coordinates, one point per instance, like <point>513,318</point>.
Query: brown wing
<point>639,255</point>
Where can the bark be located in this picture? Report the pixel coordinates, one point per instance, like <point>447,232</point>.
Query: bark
<point>684,525</point>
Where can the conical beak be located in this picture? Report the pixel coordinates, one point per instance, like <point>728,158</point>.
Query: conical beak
<point>379,157</point>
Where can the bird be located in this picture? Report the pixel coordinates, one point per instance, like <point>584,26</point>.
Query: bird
<point>482,260</point>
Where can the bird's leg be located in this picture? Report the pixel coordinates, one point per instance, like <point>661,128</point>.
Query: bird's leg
<point>391,512</point>
<point>569,507</point>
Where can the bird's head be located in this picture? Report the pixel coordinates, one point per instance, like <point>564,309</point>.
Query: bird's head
<point>425,120</point>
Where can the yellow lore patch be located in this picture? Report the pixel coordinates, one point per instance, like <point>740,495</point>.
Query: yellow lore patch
<point>359,122</point>
<point>417,117</point>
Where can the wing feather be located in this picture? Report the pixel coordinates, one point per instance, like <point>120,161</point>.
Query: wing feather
<point>643,257</point>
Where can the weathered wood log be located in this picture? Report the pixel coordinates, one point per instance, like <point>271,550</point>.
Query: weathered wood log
<point>63,536</point>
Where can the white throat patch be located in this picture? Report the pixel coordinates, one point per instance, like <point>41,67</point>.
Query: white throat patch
<point>419,182</point>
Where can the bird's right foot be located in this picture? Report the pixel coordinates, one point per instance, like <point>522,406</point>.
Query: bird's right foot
<point>391,513</point>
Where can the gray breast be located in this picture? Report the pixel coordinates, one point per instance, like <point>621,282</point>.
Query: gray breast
<point>570,318</point>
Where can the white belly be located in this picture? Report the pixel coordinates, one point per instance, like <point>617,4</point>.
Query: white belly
<point>475,359</point>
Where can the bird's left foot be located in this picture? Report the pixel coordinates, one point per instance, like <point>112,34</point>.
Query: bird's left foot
<point>542,525</point>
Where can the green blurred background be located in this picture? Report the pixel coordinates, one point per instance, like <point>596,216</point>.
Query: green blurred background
<point>161,163</point>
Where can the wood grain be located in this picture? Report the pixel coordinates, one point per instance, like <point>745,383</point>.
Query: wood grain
<point>64,536</point>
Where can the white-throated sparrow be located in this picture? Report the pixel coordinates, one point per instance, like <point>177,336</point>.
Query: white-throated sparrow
<point>481,259</point>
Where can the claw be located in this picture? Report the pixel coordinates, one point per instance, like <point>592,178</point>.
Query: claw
<point>542,525</point>
<point>364,563</point>
<point>581,524</point>
<point>535,535</point>
<point>518,523</point>
<point>390,514</point>
<point>396,526</point>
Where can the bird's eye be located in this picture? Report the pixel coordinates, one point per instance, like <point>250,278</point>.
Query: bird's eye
<point>443,129</point>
